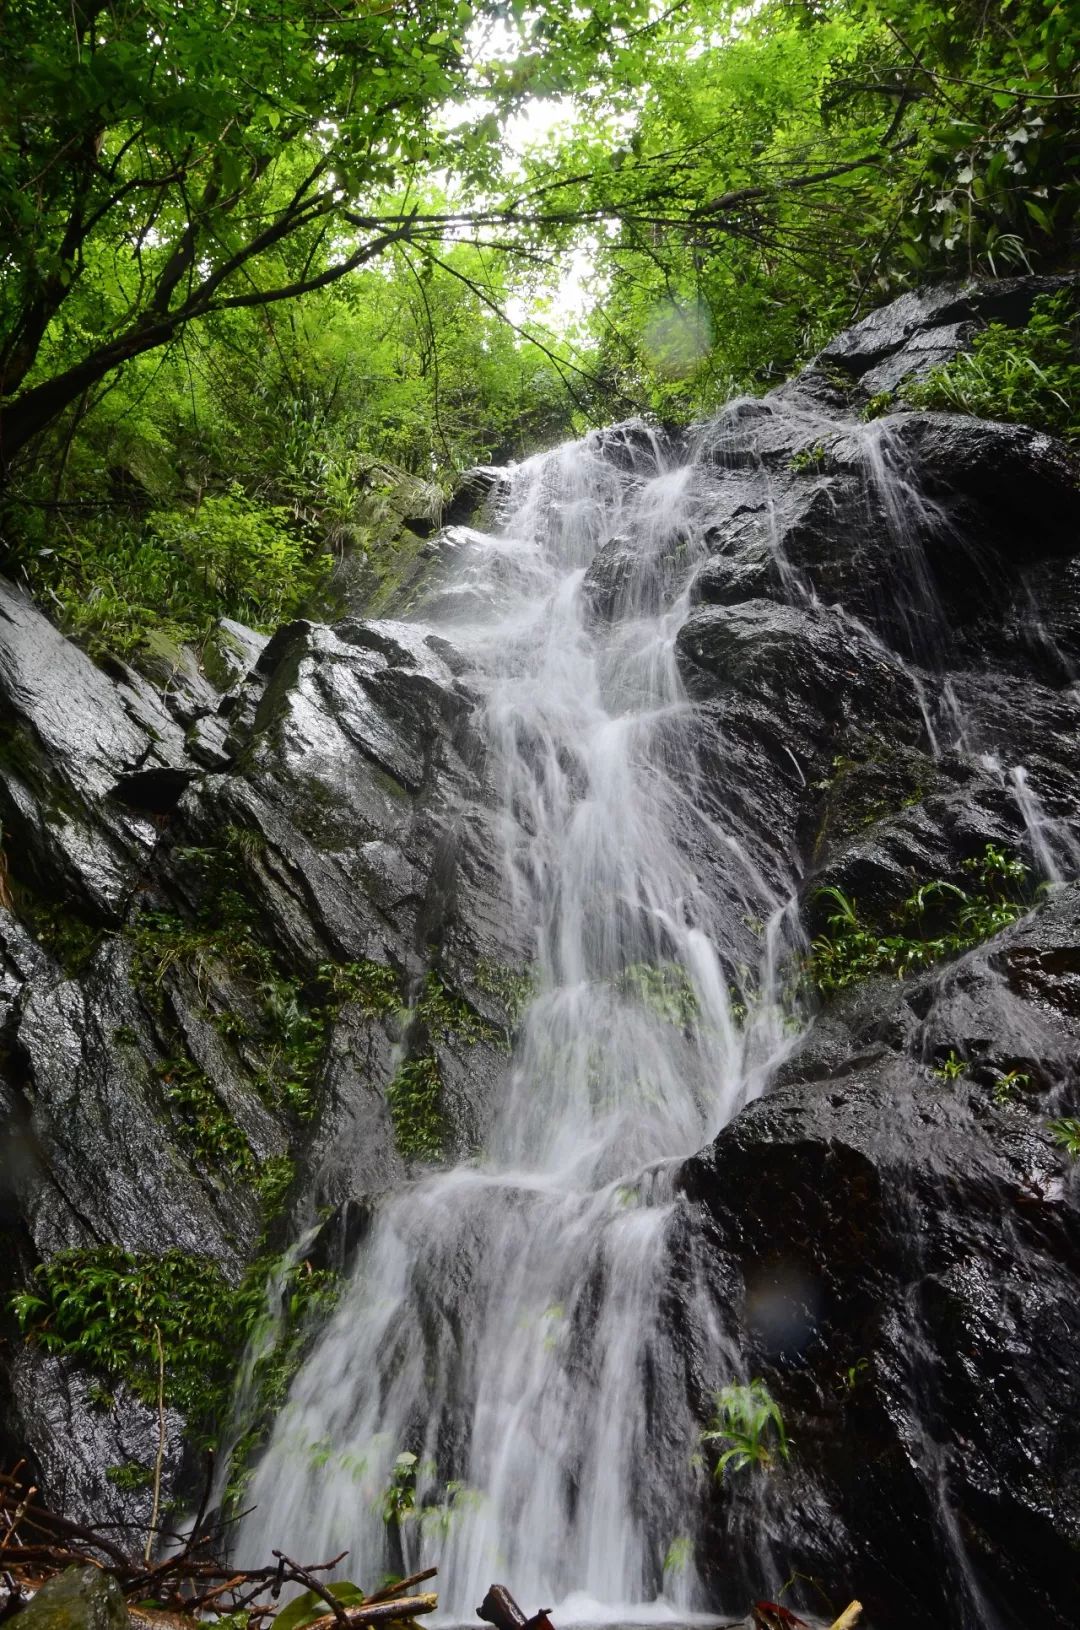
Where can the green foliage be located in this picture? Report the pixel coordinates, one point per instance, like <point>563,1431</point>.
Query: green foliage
<point>444,1013</point>
<point>808,458</point>
<point>936,921</point>
<point>214,1135</point>
<point>291,1021</point>
<point>1066,1134</point>
<point>1009,1086</point>
<point>130,1476</point>
<point>309,1605</point>
<point>415,1100</point>
<point>102,1307</point>
<point>116,582</point>
<point>679,1555</point>
<point>513,987</point>
<point>664,988</point>
<point>1027,376</point>
<point>414,1096</point>
<point>272,1183</point>
<point>748,1421</point>
<point>878,404</point>
<point>952,1068</point>
<point>398,1500</point>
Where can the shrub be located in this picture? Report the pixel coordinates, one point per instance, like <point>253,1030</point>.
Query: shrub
<point>103,1306</point>
<point>1026,376</point>
<point>117,582</point>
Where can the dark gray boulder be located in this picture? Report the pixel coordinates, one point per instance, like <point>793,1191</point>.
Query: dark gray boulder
<point>902,1250</point>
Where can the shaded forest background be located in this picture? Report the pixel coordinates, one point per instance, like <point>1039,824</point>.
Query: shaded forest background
<point>273,273</point>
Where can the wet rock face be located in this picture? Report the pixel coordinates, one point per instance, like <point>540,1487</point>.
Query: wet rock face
<point>906,1247</point>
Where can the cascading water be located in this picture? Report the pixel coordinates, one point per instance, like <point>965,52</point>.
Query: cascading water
<point>504,1363</point>
<point>505,1323</point>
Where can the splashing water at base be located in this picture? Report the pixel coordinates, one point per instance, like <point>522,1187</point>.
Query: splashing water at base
<point>501,1367</point>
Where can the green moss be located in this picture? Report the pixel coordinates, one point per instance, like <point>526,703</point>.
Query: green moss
<point>870,787</point>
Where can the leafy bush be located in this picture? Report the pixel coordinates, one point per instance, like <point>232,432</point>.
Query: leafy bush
<point>748,1420</point>
<point>103,1306</point>
<point>1026,376</point>
<point>938,920</point>
<point>116,582</point>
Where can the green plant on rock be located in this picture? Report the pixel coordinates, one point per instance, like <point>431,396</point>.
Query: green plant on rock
<point>1009,1086</point>
<point>808,458</point>
<point>214,1135</point>
<point>414,1097</point>
<point>1029,375</point>
<point>514,988</point>
<point>878,404</point>
<point>103,1307</point>
<point>747,1420</point>
<point>130,1476</point>
<point>952,1067</point>
<point>272,1182</point>
<point>1066,1134</point>
<point>938,920</point>
<point>373,987</point>
<point>679,1555</point>
<point>445,1013</point>
<point>664,988</point>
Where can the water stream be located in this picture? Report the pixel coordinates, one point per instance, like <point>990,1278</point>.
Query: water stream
<point>505,1321</point>
<point>506,1328</point>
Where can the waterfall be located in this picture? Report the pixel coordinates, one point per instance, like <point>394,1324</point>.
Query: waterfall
<point>504,1359</point>
<point>508,1388</point>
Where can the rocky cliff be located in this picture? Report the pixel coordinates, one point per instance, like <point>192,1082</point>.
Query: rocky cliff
<point>258,962</point>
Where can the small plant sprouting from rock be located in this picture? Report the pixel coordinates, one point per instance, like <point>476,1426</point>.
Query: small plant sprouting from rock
<point>130,1476</point>
<point>952,1068</point>
<point>1066,1134</point>
<point>808,458</point>
<point>680,1554</point>
<point>747,1420</point>
<point>939,920</point>
<point>1009,1086</point>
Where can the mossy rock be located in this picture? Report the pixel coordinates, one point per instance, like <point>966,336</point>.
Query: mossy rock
<point>862,791</point>
<point>77,1599</point>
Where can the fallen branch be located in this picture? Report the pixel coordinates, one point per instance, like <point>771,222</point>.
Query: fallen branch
<point>401,1608</point>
